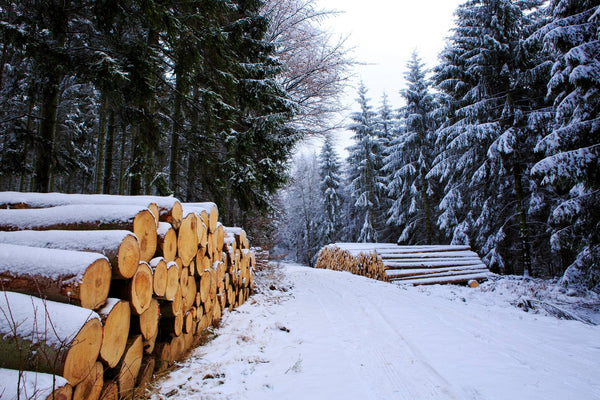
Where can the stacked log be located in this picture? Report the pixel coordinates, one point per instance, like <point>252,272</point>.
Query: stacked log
<point>363,262</point>
<point>139,279</point>
<point>415,265</point>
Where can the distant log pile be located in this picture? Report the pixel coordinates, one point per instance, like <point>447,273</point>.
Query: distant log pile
<point>103,290</point>
<point>415,265</point>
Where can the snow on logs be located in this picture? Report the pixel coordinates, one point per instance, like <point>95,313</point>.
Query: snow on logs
<point>48,337</point>
<point>150,274</point>
<point>61,275</point>
<point>136,219</point>
<point>416,265</point>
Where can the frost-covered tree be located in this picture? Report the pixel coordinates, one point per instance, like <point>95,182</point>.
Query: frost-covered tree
<point>316,65</point>
<point>364,170</point>
<point>303,207</point>
<point>410,158</point>
<point>571,168</point>
<point>486,144</point>
<point>331,179</point>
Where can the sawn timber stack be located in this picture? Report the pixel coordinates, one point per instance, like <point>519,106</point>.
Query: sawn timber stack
<point>415,265</point>
<point>112,287</point>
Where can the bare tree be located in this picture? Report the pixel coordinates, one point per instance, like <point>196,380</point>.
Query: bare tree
<point>317,65</point>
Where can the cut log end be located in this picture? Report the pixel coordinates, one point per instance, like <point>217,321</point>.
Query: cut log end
<point>95,284</point>
<point>141,288</point>
<point>81,357</point>
<point>128,257</point>
<point>130,367</point>
<point>144,227</point>
<point>116,330</point>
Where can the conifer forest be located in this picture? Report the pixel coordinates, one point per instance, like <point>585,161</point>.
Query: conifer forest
<point>497,146</point>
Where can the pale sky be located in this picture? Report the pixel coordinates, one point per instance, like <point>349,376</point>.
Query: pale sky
<point>383,34</point>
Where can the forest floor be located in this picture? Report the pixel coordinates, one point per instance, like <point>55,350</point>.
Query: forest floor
<point>320,334</point>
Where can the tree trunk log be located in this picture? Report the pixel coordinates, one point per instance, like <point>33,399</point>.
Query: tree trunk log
<point>129,367</point>
<point>167,241</point>
<point>187,239</point>
<point>159,276</point>
<point>59,275</point>
<point>138,290</point>
<point>136,219</point>
<point>28,340</point>
<point>116,317</point>
<point>120,247</point>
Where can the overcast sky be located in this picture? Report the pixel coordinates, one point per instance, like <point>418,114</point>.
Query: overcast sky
<point>383,34</point>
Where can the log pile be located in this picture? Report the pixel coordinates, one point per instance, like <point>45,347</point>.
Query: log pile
<point>102,290</point>
<point>415,265</point>
<point>343,258</point>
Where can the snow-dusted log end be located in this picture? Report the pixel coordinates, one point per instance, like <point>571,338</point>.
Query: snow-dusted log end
<point>33,386</point>
<point>416,265</point>
<point>67,276</point>
<point>49,337</point>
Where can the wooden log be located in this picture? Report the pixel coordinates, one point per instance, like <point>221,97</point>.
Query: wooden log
<point>169,208</point>
<point>29,340</point>
<point>173,274</point>
<point>188,320</point>
<point>120,247</point>
<point>146,323</point>
<point>129,367</point>
<point>205,285</point>
<point>138,290</point>
<point>33,385</point>
<point>60,275</point>
<point>159,276</point>
<point>115,317</point>
<point>136,219</point>
<point>91,387</point>
<point>208,207</point>
<point>174,307</point>
<point>166,241</point>
<point>187,239</point>
<point>150,343</point>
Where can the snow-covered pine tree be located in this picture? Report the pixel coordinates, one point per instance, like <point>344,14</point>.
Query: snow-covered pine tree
<point>364,170</point>
<point>410,159</point>
<point>331,179</point>
<point>487,151</point>
<point>302,200</point>
<point>571,167</point>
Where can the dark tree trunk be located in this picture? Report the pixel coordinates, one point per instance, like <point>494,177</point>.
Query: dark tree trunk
<point>108,160</point>
<point>101,144</point>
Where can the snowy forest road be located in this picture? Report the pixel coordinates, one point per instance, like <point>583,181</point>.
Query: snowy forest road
<point>320,334</point>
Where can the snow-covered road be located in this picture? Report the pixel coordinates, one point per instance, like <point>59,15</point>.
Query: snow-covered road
<point>319,334</point>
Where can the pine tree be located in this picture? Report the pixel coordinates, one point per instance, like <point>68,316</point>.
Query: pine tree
<point>410,159</point>
<point>365,161</point>
<point>571,168</point>
<point>486,144</point>
<point>330,174</point>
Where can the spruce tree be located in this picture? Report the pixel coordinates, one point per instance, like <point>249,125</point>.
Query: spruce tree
<point>365,175</point>
<point>486,150</point>
<point>410,159</point>
<point>330,174</point>
<point>571,167</point>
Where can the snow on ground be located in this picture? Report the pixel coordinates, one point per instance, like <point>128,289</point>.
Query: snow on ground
<point>321,334</point>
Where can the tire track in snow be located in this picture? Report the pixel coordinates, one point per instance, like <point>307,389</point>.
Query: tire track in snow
<point>388,365</point>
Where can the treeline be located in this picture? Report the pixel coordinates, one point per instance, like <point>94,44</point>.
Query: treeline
<point>496,148</point>
<point>199,98</point>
